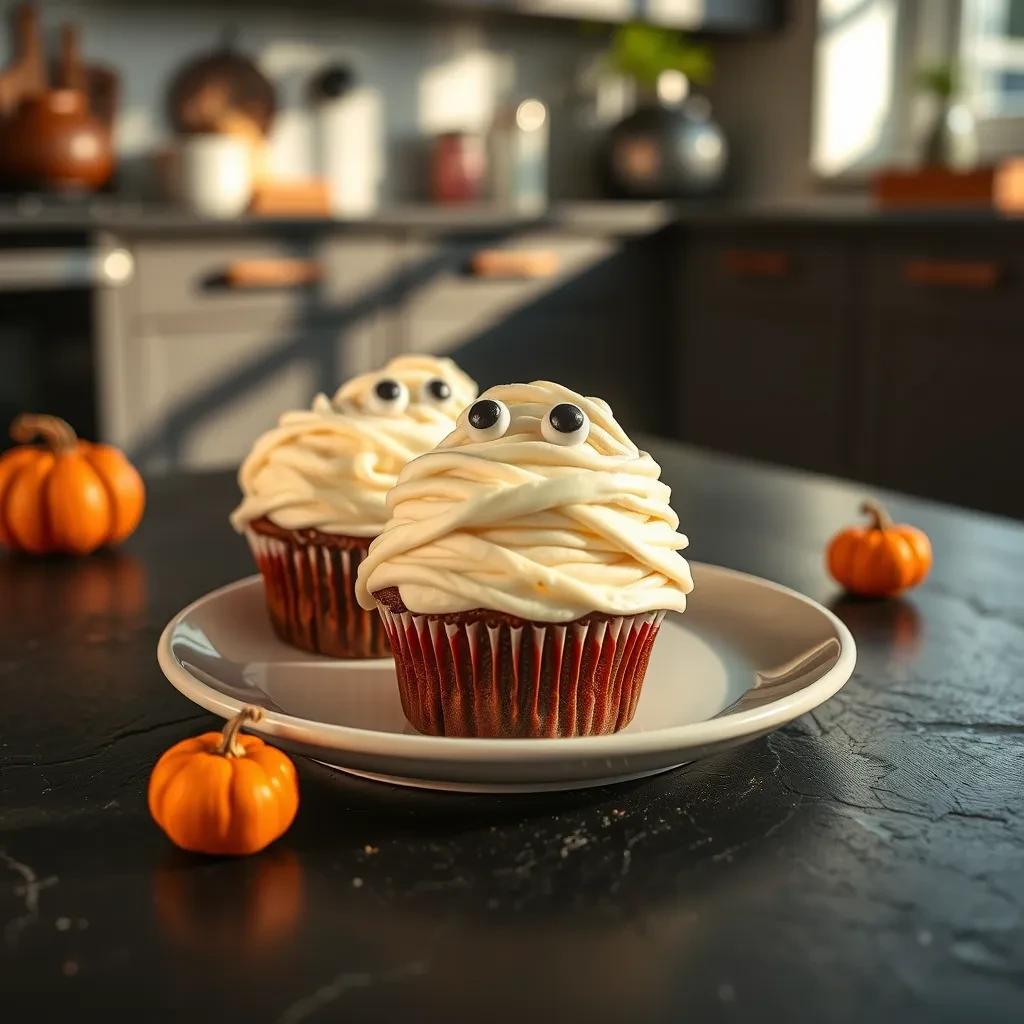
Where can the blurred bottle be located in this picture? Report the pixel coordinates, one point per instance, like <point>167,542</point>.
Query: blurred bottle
<point>348,118</point>
<point>458,164</point>
<point>519,156</point>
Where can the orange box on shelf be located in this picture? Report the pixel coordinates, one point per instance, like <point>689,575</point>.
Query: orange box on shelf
<point>998,187</point>
<point>300,198</point>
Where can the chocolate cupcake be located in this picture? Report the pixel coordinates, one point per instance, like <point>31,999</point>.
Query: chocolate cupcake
<point>314,492</point>
<point>526,568</point>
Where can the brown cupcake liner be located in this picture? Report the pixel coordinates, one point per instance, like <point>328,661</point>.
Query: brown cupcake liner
<point>310,592</point>
<point>477,676</point>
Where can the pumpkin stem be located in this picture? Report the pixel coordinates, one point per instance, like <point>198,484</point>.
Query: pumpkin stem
<point>55,432</point>
<point>881,520</point>
<point>229,745</point>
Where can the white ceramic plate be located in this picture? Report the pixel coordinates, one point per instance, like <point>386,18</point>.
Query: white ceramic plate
<point>747,657</point>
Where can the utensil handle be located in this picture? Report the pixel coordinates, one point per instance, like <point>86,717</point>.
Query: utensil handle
<point>44,269</point>
<point>514,263</point>
<point>759,263</point>
<point>70,70</point>
<point>971,274</point>
<point>272,273</point>
<point>28,45</point>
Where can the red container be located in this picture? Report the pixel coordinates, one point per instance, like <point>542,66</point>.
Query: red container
<point>458,165</point>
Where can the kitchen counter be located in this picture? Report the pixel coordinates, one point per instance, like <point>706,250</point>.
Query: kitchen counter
<point>863,863</point>
<point>31,217</point>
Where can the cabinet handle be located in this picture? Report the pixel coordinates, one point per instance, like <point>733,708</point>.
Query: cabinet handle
<point>977,274</point>
<point>515,263</point>
<point>761,263</point>
<point>272,273</point>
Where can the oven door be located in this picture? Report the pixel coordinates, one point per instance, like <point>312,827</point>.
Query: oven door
<point>47,359</point>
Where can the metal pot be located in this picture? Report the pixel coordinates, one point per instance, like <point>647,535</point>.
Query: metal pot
<point>664,151</point>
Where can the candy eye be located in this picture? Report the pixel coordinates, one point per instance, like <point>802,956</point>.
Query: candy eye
<point>388,397</point>
<point>487,419</point>
<point>436,391</point>
<point>565,424</point>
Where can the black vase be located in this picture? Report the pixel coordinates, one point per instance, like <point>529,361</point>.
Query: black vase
<point>661,152</point>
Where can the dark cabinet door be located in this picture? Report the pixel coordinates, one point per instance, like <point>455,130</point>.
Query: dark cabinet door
<point>944,349</point>
<point>765,362</point>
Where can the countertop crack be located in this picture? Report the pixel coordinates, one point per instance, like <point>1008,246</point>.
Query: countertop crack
<point>29,889</point>
<point>115,739</point>
<point>980,728</point>
<point>344,982</point>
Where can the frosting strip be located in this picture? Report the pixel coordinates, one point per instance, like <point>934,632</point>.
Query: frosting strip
<point>542,531</point>
<point>330,467</point>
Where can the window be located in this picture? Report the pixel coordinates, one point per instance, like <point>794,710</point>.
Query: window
<point>991,59</point>
<point>992,56</point>
<point>868,109</point>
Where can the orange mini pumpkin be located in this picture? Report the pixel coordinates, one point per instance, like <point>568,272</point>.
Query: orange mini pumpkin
<point>65,495</point>
<point>222,793</point>
<point>881,559</point>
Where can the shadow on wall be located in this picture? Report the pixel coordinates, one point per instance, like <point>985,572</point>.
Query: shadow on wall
<point>601,331</point>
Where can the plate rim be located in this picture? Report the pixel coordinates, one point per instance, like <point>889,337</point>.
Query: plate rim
<point>391,745</point>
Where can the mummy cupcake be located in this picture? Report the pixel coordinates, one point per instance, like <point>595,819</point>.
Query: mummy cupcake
<point>526,568</point>
<point>314,492</point>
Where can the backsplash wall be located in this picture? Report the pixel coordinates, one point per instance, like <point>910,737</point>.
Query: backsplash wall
<point>432,74</point>
<point>437,73</point>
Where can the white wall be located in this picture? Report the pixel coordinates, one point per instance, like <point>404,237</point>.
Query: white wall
<point>433,73</point>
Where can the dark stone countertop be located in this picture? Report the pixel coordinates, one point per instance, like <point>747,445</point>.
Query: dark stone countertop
<point>865,863</point>
<point>125,218</point>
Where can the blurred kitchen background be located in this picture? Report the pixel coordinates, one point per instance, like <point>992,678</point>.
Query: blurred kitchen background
<point>783,229</point>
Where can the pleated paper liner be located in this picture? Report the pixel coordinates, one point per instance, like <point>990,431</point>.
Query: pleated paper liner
<point>310,590</point>
<point>474,674</point>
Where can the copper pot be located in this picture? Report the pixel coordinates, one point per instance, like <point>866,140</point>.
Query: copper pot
<point>52,141</point>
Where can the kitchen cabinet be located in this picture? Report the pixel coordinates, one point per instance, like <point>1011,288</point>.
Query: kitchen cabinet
<point>765,348</point>
<point>194,366</point>
<point>203,398</point>
<point>447,302</point>
<point>944,365</point>
<point>596,323</point>
<point>892,356</point>
<point>883,348</point>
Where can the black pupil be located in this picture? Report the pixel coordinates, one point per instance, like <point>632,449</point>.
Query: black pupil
<point>566,418</point>
<point>484,414</point>
<point>388,390</point>
<point>439,389</point>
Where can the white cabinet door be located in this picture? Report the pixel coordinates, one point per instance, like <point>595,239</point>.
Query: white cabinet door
<point>445,305</point>
<point>189,376</point>
<point>205,398</point>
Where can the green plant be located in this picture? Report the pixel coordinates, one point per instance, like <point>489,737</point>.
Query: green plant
<point>643,52</point>
<point>940,80</point>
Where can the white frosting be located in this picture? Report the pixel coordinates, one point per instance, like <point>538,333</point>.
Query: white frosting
<point>331,466</point>
<point>543,531</point>
<point>414,371</point>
